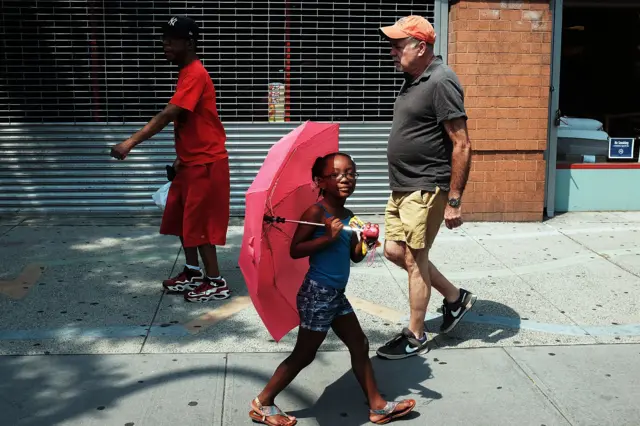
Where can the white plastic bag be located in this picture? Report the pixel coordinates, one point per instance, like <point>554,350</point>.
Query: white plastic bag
<point>160,196</point>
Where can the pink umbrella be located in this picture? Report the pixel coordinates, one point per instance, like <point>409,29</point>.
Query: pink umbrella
<point>280,193</point>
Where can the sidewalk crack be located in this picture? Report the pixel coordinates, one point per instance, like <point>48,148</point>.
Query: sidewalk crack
<point>12,227</point>
<point>224,387</point>
<point>600,255</point>
<point>534,380</point>
<point>155,313</point>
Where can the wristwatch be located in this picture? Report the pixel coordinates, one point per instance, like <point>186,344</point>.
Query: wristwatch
<point>454,202</point>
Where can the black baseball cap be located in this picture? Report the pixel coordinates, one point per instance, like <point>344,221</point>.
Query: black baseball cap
<point>181,27</point>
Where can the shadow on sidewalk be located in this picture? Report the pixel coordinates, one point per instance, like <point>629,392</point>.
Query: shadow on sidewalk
<point>101,278</point>
<point>488,322</point>
<point>64,388</point>
<point>108,276</point>
<point>100,293</point>
<point>343,403</point>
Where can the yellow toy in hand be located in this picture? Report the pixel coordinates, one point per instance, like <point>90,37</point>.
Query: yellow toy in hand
<point>370,234</point>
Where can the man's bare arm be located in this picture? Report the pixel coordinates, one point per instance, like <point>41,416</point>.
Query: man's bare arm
<point>157,123</point>
<point>461,156</point>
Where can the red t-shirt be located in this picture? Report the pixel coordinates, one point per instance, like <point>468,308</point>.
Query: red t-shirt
<point>200,136</point>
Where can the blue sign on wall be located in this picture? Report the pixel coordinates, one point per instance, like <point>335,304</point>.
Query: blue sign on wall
<point>621,148</point>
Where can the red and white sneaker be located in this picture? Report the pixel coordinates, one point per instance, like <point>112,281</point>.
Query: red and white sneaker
<point>209,290</point>
<point>186,280</point>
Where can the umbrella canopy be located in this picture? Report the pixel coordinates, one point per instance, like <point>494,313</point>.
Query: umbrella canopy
<point>282,189</point>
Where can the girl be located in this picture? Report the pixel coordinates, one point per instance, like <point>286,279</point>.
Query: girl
<point>321,300</point>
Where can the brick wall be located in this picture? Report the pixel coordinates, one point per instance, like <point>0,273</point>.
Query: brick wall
<point>501,50</point>
<point>505,186</point>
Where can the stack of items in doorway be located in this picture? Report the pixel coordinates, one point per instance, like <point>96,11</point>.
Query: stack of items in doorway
<point>276,102</point>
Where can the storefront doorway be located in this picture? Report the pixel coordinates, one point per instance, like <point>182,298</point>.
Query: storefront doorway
<point>594,135</point>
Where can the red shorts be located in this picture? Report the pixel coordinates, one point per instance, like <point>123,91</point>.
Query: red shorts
<point>198,205</point>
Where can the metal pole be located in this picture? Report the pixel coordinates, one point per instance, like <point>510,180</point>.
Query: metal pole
<point>554,107</point>
<point>442,28</point>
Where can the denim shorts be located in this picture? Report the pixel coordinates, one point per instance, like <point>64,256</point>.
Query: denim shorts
<point>319,305</point>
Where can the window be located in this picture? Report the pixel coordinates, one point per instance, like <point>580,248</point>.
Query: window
<point>92,60</point>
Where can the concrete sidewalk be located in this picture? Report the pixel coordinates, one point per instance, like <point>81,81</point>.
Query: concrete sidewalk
<point>89,291</point>
<point>568,385</point>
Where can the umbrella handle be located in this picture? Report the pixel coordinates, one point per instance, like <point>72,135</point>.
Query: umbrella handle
<point>277,219</point>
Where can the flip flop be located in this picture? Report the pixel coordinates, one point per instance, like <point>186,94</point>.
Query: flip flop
<point>389,411</point>
<point>260,415</point>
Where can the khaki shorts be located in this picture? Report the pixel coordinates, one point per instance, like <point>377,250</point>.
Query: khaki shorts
<point>414,217</point>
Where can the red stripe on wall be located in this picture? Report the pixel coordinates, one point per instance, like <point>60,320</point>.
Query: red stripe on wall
<point>597,166</point>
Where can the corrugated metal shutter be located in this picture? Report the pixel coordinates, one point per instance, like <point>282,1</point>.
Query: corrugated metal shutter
<point>67,168</point>
<point>102,60</point>
<point>75,75</point>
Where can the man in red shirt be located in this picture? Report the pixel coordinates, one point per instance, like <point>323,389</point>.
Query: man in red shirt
<point>197,208</point>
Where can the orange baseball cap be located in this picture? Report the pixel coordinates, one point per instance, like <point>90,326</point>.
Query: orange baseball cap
<point>411,26</point>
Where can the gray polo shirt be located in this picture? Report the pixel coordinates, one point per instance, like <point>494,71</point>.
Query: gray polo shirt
<point>419,149</point>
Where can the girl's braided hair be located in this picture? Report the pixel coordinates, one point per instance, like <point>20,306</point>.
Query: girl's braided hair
<point>317,171</point>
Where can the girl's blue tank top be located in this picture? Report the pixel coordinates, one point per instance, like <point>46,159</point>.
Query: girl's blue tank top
<point>331,265</point>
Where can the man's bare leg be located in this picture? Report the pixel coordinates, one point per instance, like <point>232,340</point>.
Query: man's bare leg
<point>190,254</point>
<point>445,287</point>
<point>210,260</point>
<point>419,289</point>
<point>190,276</point>
<point>459,301</point>
<point>395,252</point>
<point>413,339</point>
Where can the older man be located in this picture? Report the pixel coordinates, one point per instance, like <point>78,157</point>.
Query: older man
<point>429,155</point>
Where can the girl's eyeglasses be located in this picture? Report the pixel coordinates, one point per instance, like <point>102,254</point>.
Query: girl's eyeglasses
<point>339,176</point>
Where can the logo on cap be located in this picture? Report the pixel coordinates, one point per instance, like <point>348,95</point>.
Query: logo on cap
<point>173,21</point>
